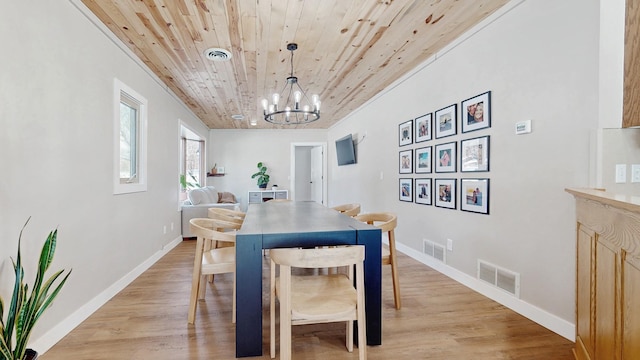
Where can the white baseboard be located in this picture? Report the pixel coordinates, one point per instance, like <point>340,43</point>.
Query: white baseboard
<point>50,338</point>
<point>531,312</point>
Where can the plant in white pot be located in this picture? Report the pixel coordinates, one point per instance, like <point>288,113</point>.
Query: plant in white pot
<point>28,303</point>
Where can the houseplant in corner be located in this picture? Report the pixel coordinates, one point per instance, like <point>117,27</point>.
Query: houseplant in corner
<point>263,177</point>
<point>26,308</point>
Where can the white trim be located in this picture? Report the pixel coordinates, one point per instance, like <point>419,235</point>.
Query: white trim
<point>51,337</point>
<point>552,322</point>
<point>120,88</point>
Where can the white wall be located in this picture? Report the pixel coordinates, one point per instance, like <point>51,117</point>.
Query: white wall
<point>239,151</point>
<point>56,154</point>
<point>540,61</point>
<point>543,60</point>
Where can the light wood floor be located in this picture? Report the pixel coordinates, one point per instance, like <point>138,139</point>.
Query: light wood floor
<point>440,319</point>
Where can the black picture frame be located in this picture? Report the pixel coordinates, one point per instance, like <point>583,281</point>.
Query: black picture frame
<point>405,161</point>
<point>424,191</point>
<point>445,121</point>
<point>423,160</point>
<point>405,133</point>
<point>445,157</point>
<point>470,109</point>
<point>423,128</point>
<point>475,195</point>
<point>444,192</point>
<point>474,154</point>
<point>405,189</point>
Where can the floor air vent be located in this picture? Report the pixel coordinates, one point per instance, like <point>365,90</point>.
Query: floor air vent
<point>504,279</point>
<point>434,250</point>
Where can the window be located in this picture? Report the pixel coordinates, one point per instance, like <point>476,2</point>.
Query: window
<point>192,161</point>
<point>130,133</point>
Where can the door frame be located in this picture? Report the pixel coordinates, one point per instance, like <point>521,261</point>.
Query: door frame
<point>292,185</point>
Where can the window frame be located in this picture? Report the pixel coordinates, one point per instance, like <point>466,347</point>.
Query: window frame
<point>125,94</point>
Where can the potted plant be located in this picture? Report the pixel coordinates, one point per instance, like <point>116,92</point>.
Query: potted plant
<point>26,307</point>
<point>188,185</point>
<point>263,177</point>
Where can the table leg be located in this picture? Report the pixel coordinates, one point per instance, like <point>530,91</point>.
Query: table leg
<point>372,239</point>
<point>248,295</point>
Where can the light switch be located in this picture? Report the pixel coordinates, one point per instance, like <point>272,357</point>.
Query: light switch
<point>635,173</point>
<point>621,173</point>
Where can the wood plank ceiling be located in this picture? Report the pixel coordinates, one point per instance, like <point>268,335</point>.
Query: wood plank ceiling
<point>348,50</point>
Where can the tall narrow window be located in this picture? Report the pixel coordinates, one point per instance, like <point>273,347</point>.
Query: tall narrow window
<point>130,132</point>
<point>192,161</point>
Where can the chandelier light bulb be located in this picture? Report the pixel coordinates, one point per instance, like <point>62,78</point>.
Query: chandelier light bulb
<point>265,104</point>
<point>296,97</point>
<point>276,99</point>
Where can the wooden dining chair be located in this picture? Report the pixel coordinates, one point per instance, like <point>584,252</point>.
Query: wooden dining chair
<point>210,261</point>
<point>348,209</point>
<point>387,222</point>
<point>229,215</point>
<point>310,299</point>
<point>233,220</point>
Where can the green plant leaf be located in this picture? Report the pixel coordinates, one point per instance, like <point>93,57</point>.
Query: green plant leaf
<point>26,306</point>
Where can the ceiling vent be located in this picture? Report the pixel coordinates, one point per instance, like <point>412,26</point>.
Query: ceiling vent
<point>217,54</point>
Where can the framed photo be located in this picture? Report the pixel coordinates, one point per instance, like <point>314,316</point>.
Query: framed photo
<point>423,191</point>
<point>423,160</point>
<point>445,157</point>
<point>476,112</point>
<point>405,133</point>
<point>474,195</point>
<point>445,193</point>
<point>423,128</point>
<point>474,154</point>
<point>445,121</point>
<point>406,162</point>
<point>406,190</point>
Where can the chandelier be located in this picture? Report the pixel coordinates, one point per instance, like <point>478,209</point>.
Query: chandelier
<point>297,108</point>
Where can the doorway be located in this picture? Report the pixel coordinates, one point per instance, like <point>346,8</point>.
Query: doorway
<point>308,172</point>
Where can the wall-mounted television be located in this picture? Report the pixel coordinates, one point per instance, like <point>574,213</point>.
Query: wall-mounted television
<point>345,150</point>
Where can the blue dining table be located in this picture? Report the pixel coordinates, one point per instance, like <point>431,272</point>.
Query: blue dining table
<point>298,224</point>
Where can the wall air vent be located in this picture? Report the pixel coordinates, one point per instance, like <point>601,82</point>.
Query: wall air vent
<point>217,54</point>
<point>434,250</point>
<point>501,278</point>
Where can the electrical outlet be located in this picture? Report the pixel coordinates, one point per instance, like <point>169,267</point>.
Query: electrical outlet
<point>449,244</point>
<point>621,173</point>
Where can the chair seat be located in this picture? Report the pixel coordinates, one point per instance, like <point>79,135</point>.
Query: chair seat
<point>317,299</point>
<point>222,259</point>
<point>386,255</point>
<point>321,297</point>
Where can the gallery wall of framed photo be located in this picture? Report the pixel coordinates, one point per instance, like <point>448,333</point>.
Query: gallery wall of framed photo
<point>442,167</point>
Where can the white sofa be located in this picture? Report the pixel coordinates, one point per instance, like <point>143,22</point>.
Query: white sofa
<point>200,200</point>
